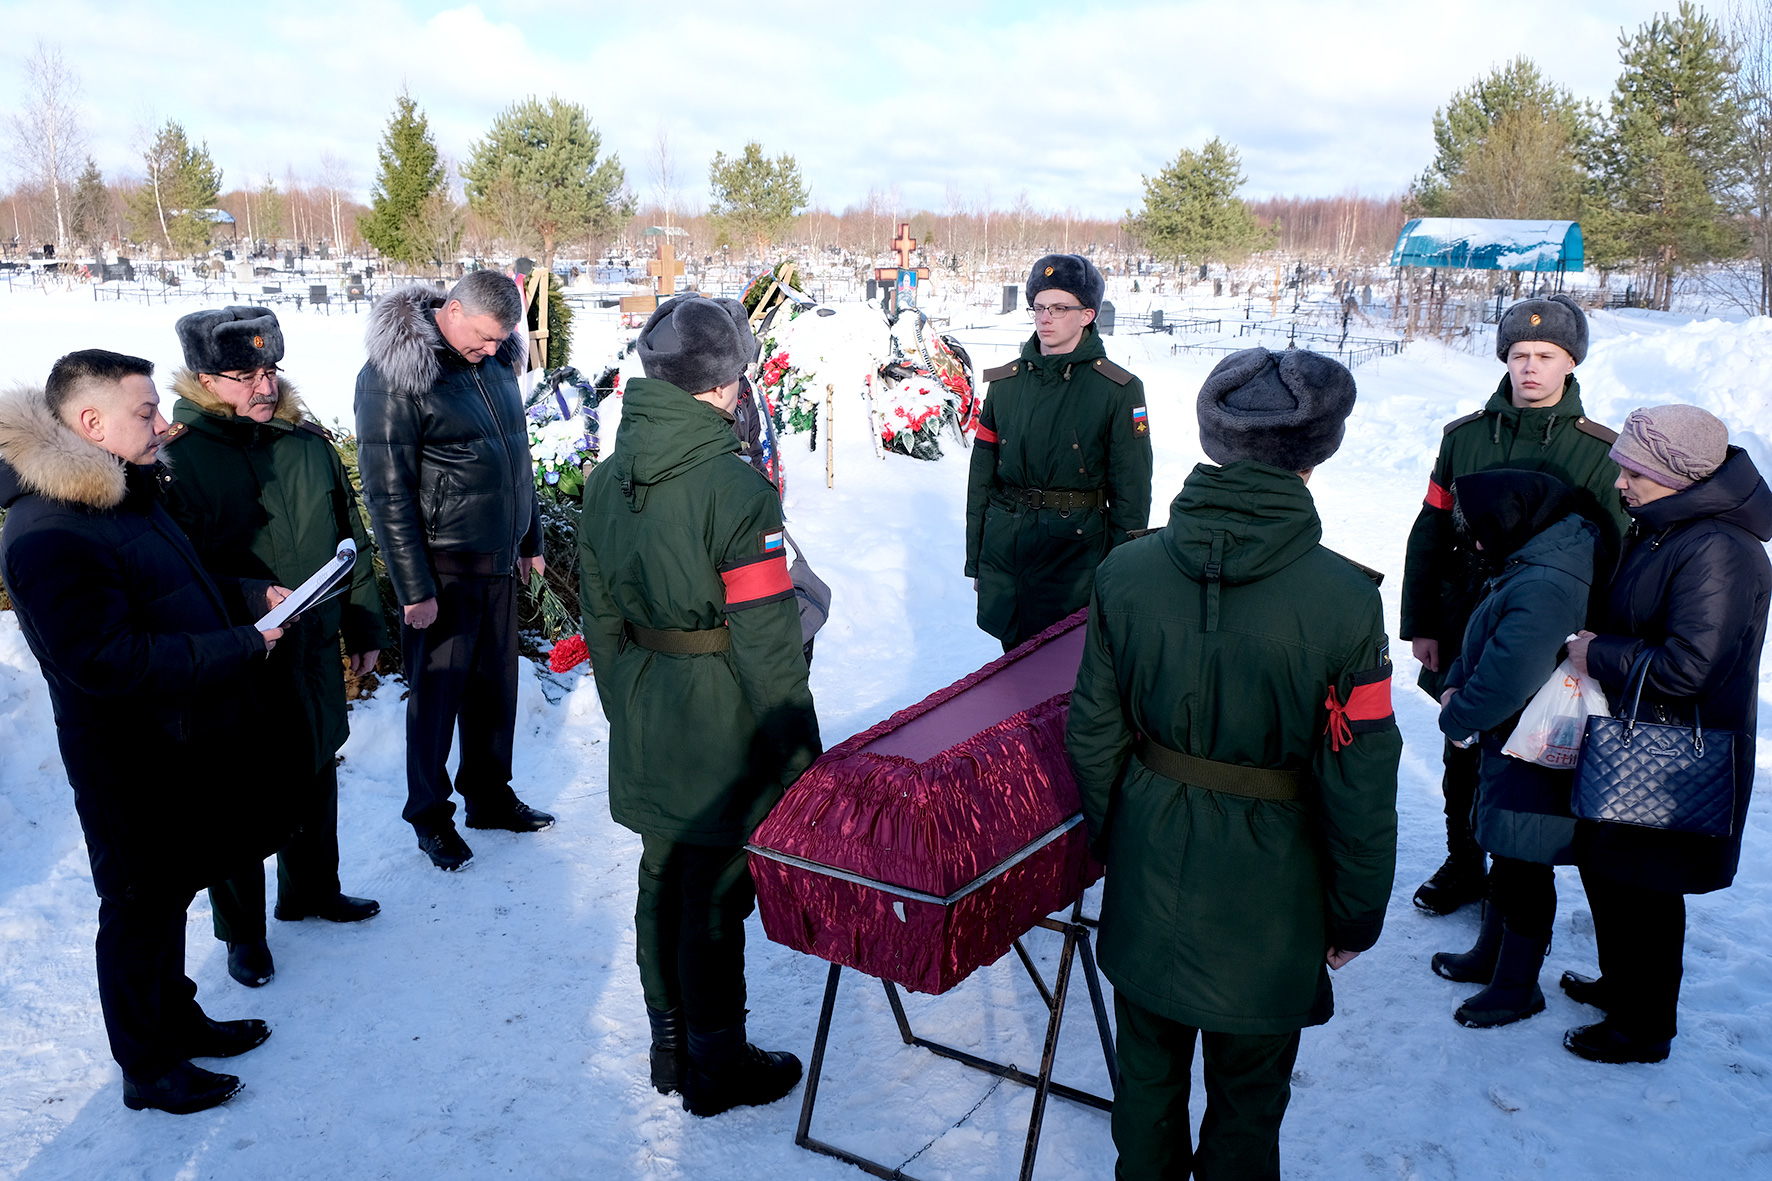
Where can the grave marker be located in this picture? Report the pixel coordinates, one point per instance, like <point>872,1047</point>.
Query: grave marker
<point>1011,294</point>
<point>903,277</point>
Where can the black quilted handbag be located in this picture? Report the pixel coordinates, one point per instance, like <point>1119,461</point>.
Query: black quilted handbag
<point>1678,778</point>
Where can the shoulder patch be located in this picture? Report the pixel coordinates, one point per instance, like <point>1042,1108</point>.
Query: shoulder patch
<point>771,541</point>
<point>1473,416</point>
<point>314,428</point>
<point>1377,576</point>
<point>175,432</point>
<point>1141,423</point>
<point>1112,371</point>
<point>1604,434</point>
<point>1002,371</point>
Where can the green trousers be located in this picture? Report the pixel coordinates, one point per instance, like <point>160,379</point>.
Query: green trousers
<point>1248,1084</point>
<point>689,929</point>
<point>307,868</point>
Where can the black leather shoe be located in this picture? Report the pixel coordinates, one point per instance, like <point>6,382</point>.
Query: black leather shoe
<point>340,908</point>
<point>226,1039</point>
<point>250,963</point>
<point>521,818</point>
<point>726,1071</point>
<point>1585,990</point>
<point>181,1090</point>
<point>1602,1042</point>
<point>445,848</point>
<point>1458,882</point>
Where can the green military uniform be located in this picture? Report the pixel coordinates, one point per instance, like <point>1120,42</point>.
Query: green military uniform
<point>1061,473</point>
<point>272,501</point>
<point>1255,661</point>
<point>694,632</point>
<point>1441,583</point>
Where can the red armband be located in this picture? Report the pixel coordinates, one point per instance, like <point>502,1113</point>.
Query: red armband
<point>1437,497</point>
<point>1368,707</point>
<point>756,581</point>
<point>986,435</point>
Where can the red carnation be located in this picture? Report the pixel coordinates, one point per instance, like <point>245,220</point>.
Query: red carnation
<point>568,654</point>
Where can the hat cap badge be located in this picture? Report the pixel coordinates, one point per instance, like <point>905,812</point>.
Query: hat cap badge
<point>1049,272</point>
<point>258,342</point>
<point>1537,319</point>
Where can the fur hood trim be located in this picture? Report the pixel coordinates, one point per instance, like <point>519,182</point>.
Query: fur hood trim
<point>403,342</point>
<point>289,404</point>
<point>53,461</point>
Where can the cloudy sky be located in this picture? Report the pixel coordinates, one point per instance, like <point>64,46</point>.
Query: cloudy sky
<point>1070,101</point>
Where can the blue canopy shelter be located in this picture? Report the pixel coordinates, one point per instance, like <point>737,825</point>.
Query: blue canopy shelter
<point>1490,244</point>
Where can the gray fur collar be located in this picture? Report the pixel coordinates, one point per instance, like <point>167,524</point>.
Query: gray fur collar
<point>52,460</point>
<point>403,342</point>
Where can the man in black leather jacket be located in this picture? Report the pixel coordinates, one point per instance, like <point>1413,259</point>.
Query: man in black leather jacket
<point>443,450</point>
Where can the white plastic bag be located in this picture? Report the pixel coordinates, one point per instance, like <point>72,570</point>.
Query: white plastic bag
<point>1550,729</point>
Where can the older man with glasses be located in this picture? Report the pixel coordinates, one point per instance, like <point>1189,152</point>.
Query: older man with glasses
<point>262,493</point>
<point>1062,468</point>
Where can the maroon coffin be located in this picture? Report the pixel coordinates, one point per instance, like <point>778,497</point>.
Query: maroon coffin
<point>921,849</point>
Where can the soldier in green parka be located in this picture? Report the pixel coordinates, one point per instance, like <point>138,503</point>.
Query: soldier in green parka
<point>1061,468</point>
<point>693,629</point>
<point>1233,741</point>
<point>261,492</point>
<point>1534,421</point>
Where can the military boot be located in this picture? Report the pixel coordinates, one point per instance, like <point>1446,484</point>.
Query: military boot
<point>1461,878</point>
<point>726,1071</point>
<point>1513,995</point>
<point>1477,965</point>
<point>670,1049</point>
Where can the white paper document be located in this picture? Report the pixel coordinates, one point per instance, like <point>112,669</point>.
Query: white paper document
<point>314,589</point>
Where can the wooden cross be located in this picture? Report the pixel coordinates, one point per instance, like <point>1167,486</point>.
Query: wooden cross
<point>904,244</point>
<point>665,269</point>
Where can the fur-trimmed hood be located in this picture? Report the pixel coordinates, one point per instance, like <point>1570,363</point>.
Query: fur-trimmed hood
<point>404,344</point>
<point>289,404</point>
<point>48,458</point>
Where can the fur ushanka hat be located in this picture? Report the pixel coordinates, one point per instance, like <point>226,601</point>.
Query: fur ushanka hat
<point>220,341</point>
<point>1067,272</point>
<point>1557,319</point>
<point>1287,409</point>
<point>696,343</point>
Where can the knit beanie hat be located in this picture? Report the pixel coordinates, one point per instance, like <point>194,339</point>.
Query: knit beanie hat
<point>1287,409</point>
<point>697,343</point>
<point>1504,508</point>
<point>218,340</point>
<point>1676,446</point>
<point>1557,319</point>
<point>1070,273</point>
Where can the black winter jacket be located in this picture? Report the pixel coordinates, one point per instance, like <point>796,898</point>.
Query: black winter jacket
<point>442,448</point>
<point>1693,590</point>
<point>146,675</point>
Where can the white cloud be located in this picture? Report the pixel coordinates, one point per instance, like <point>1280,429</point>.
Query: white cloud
<point>1071,103</point>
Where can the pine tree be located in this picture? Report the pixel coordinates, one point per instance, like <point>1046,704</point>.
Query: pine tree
<point>270,204</point>
<point>90,207</point>
<point>755,199</point>
<point>1192,211</point>
<point>1671,158</point>
<point>1508,145</point>
<point>537,171</point>
<point>183,184</point>
<point>410,174</point>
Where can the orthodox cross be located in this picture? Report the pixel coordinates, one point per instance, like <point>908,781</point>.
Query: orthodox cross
<point>665,269</point>
<point>903,277</point>
<point>904,244</point>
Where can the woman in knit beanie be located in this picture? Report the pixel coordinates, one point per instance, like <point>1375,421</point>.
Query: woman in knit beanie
<point>1691,595</point>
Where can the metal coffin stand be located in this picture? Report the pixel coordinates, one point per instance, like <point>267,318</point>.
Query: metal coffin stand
<point>1076,943</point>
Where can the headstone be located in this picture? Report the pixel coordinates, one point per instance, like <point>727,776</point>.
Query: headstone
<point>873,290</point>
<point>1202,272</point>
<point>318,294</point>
<point>1156,319</point>
<point>325,252</point>
<point>273,289</point>
<point>354,290</point>
<point>1104,322</point>
<point>1218,287</point>
<point>1366,296</point>
<point>1011,296</point>
<point>227,256</point>
<point>49,250</point>
<point>243,272</point>
<point>289,260</point>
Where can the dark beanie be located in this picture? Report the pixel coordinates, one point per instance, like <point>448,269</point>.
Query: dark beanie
<point>217,341</point>
<point>1504,508</point>
<point>697,343</point>
<point>1287,409</point>
<point>1070,273</point>
<point>1557,319</point>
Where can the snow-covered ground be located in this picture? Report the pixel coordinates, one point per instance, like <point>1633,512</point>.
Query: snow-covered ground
<point>489,1023</point>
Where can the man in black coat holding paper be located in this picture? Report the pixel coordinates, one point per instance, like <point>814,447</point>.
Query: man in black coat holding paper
<point>148,682</point>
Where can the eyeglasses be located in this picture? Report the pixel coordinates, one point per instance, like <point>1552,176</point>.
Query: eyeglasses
<point>1052,310</point>
<point>254,377</point>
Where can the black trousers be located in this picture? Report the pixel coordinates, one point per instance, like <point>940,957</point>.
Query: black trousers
<point>307,867</point>
<point>689,929</point>
<point>1525,895</point>
<point>1459,785</point>
<point>1248,1085</point>
<point>150,1005</point>
<point>461,673</point>
<point>1642,937</point>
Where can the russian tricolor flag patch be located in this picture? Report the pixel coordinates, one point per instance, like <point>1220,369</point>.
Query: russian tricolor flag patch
<point>1140,423</point>
<point>773,543</point>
